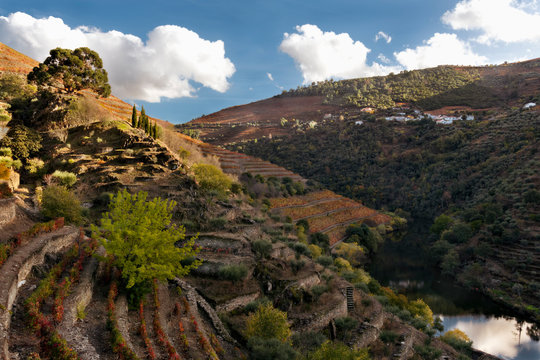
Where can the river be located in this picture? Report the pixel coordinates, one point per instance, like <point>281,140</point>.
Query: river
<point>404,266</point>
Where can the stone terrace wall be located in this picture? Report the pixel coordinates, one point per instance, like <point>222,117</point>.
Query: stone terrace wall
<point>17,268</point>
<point>8,209</point>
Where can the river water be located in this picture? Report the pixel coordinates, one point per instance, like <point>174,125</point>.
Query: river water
<point>404,266</point>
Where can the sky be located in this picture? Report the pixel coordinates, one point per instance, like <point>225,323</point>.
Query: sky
<point>181,59</point>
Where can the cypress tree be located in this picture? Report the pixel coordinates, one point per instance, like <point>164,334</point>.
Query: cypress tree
<point>141,124</point>
<point>134,117</point>
<point>154,130</point>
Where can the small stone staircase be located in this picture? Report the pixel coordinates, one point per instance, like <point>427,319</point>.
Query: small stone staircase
<point>350,298</point>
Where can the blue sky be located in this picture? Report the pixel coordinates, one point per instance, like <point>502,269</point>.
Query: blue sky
<point>220,53</point>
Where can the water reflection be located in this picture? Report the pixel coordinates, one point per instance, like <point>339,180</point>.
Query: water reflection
<point>505,338</point>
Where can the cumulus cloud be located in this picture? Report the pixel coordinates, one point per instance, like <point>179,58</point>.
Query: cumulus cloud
<point>322,55</point>
<point>440,49</point>
<point>507,21</point>
<point>270,76</point>
<point>164,67</point>
<point>383,35</point>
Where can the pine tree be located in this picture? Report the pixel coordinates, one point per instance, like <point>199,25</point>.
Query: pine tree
<point>134,117</point>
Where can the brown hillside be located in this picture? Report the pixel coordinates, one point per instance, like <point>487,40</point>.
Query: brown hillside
<point>14,62</point>
<point>260,119</point>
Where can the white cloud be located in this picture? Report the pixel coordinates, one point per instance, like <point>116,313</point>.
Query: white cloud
<point>383,35</point>
<point>323,55</point>
<point>163,67</point>
<point>270,76</point>
<point>508,21</point>
<point>440,49</point>
<point>383,59</point>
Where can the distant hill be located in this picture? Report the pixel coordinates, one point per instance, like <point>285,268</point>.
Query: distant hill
<point>442,90</point>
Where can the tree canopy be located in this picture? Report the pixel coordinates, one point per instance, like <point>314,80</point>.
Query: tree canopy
<point>139,236</point>
<point>74,70</point>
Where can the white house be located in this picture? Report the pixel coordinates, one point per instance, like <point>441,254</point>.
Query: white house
<point>529,105</point>
<point>358,122</point>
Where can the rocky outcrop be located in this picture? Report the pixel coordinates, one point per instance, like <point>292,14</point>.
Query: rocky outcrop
<point>17,268</point>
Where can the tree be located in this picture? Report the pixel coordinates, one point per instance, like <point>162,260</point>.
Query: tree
<point>72,70</point>
<point>134,117</point>
<point>268,323</point>
<point>22,141</point>
<point>138,234</point>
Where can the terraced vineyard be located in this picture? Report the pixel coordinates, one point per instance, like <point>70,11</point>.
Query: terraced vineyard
<point>327,212</point>
<point>237,163</point>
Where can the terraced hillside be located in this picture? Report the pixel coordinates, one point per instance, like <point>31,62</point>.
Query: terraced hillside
<point>328,213</point>
<point>14,62</point>
<point>60,302</point>
<point>259,119</point>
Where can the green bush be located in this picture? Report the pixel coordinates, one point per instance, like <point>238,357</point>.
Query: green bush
<point>64,178</point>
<point>345,325</point>
<point>325,260</point>
<point>308,341</point>
<point>388,336</point>
<point>211,178</point>
<point>330,350</point>
<point>318,290</point>
<point>217,223</point>
<point>5,151</point>
<point>233,272</point>
<point>262,248</point>
<point>57,201</point>
<point>270,349</point>
<point>35,166</point>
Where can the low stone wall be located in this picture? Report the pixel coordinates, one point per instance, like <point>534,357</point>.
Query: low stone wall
<point>237,302</point>
<point>195,299</point>
<point>17,268</point>
<point>318,321</point>
<point>8,210</point>
<point>308,282</point>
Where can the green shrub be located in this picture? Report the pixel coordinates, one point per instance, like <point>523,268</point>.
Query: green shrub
<point>308,341</point>
<point>296,265</point>
<point>254,305</point>
<point>300,249</point>
<point>233,272</point>
<point>269,323</point>
<point>330,350</point>
<point>318,290</point>
<point>345,325</point>
<point>262,248</point>
<point>211,178</point>
<point>57,201</point>
<point>458,340</point>
<point>217,223</point>
<point>64,178</point>
<point>270,349</point>
<point>325,260</point>
<point>388,336</point>
<point>5,151</point>
<point>35,166</point>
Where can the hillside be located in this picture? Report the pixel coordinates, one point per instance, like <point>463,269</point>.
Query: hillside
<point>482,174</point>
<point>444,90</point>
<point>62,297</point>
